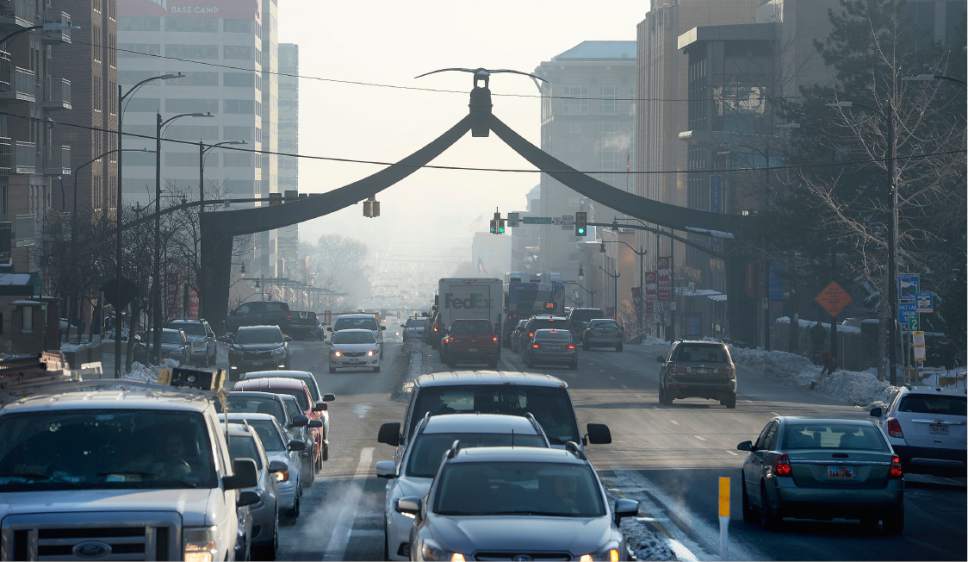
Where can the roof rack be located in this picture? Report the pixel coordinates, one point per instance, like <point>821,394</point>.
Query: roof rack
<point>574,449</point>
<point>454,449</point>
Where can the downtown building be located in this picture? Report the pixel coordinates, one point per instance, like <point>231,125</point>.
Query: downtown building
<point>587,122</point>
<point>228,52</point>
<point>289,265</point>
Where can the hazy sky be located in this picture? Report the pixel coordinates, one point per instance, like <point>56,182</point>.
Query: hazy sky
<point>393,41</point>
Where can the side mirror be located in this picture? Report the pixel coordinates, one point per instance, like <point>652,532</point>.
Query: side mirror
<point>329,397</point>
<point>382,328</point>
<point>287,338</point>
<point>329,328</point>
<point>409,506</point>
<point>599,434</point>
<point>246,475</point>
<point>625,508</point>
<point>277,466</point>
<point>320,407</point>
<point>247,498</point>
<point>389,434</point>
<point>315,424</point>
<point>877,412</point>
<point>297,445</point>
<point>299,421</point>
<point>745,446</point>
<point>386,469</point>
<point>660,359</point>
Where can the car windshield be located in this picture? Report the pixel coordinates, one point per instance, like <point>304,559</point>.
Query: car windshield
<point>552,335</point>
<point>252,404</point>
<point>471,328</point>
<point>171,336</point>
<point>269,435</point>
<point>276,307</point>
<point>248,336</point>
<point>518,488</point>
<point>243,447</point>
<point>417,323</point>
<point>429,448</point>
<point>95,449</point>
<point>353,338</point>
<point>365,323</point>
<point>190,328</point>
<point>603,325</point>
<point>701,353</point>
<point>833,436</point>
<point>933,404</point>
<point>549,405</point>
<point>296,393</point>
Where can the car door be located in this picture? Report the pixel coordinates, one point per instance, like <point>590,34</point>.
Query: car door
<point>759,459</point>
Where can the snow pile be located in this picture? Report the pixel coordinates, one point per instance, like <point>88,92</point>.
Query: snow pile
<point>142,373</point>
<point>644,542</point>
<point>858,388</point>
<point>780,364</point>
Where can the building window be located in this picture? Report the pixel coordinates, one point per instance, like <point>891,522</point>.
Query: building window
<point>96,93</point>
<point>137,49</point>
<point>192,51</point>
<point>608,95</point>
<point>112,52</point>
<point>27,327</point>
<point>237,26</point>
<point>198,78</point>
<point>97,5</point>
<point>236,52</point>
<point>191,24</point>
<point>191,105</point>
<point>139,23</point>
<point>238,79</point>
<point>238,106</point>
<point>97,47</point>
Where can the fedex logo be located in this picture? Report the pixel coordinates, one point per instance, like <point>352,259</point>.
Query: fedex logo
<point>474,300</point>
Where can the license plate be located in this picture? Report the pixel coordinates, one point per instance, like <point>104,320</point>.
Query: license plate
<point>839,472</point>
<point>939,429</point>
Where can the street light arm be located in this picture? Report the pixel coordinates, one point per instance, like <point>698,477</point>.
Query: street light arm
<point>180,115</point>
<point>134,88</point>
<point>631,247</point>
<point>18,32</point>
<point>207,147</point>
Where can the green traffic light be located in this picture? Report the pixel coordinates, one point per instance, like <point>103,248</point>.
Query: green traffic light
<point>581,231</point>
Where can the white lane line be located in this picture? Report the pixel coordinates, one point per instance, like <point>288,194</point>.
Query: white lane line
<point>680,550</point>
<point>699,437</point>
<point>673,422</point>
<point>339,538</point>
<point>734,453</point>
<point>774,413</point>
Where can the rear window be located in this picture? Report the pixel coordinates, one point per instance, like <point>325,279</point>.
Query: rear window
<point>700,353</point>
<point>355,323</point>
<point>417,323</point>
<point>833,436</point>
<point>552,335</point>
<point>586,314</point>
<point>276,307</point>
<point>190,328</point>
<point>471,328</point>
<point>933,404</point>
<point>254,405</point>
<point>603,324</point>
<point>544,323</point>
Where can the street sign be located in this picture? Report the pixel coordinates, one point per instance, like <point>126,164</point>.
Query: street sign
<point>917,341</point>
<point>514,219</point>
<point>567,220</point>
<point>537,220</point>
<point>834,299</point>
<point>907,316</point>
<point>908,286</point>
<point>664,278</point>
<point>925,303</point>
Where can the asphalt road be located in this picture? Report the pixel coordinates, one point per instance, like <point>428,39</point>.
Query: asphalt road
<point>669,458</point>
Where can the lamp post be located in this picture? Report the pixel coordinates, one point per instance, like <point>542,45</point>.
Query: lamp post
<point>202,151</point>
<point>614,277</point>
<point>122,95</point>
<point>641,253</point>
<point>156,263</point>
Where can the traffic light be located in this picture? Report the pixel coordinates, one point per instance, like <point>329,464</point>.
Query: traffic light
<point>493,227</point>
<point>502,226</point>
<point>371,208</point>
<point>581,223</point>
<point>498,225</point>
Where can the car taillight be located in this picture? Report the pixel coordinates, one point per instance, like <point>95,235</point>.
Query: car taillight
<point>535,346</point>
<point>436,328</point>
<point>493,339</point>
<point>572,346</point>
<point>530,335</point>
<point>447,339</point>
<point>782,466</point>
<point>897,471</point>
<point>894,428</point>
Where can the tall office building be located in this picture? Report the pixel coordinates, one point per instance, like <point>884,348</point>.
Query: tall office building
<point>33,90</point>
<point>588,134</point>
<point>289,144</point>
<point>240,35</point>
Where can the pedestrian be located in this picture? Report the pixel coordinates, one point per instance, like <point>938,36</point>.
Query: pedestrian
<point>829,364</point>
<point>818,336</point>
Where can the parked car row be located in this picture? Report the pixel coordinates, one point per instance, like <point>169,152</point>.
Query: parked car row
<point>510,482</point>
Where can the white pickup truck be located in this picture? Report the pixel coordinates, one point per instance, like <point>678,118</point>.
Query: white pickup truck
<point>130,471</point>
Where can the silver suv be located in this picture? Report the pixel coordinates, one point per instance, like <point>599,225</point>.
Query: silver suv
<point>926,428</point>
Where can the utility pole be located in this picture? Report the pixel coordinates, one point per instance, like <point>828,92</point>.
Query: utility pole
<point>892,240</point>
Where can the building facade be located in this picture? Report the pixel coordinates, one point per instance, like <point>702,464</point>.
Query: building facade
<point>237,43</point>
<point>289,166</point>
<point>34,158</point>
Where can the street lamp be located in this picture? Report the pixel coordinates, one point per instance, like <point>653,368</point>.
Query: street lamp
<point>156,286</point>
<point>614,277</point>
<point>122,95</point>
<point>641,253</point>
<point>202,151</point>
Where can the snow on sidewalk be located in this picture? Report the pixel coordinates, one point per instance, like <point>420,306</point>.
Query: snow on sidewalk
<point>858,388</point>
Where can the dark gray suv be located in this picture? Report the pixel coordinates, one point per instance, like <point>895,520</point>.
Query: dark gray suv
<point>517,503</point>
<point>701,369</point>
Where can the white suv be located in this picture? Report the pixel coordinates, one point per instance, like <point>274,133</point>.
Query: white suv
<point>926,428</point>
<point>139,471</point>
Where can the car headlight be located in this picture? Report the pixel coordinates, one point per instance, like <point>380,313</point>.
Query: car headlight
<point>282,475</point>
<point>431,551</point>
<point>609,554</point>
<point>199,544</point>
<point>370,353</point>
<point>337,354</point>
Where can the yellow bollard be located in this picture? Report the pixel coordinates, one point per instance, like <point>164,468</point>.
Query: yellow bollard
<point>724,517</point>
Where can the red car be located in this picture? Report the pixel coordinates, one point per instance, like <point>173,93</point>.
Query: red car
<point>471,341</point>
<point>312,410</point>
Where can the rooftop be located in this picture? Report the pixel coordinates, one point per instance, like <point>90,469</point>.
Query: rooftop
<point>599,50</point>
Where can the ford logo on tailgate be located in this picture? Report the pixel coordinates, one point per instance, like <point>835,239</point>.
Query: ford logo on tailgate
<point>91,549</point>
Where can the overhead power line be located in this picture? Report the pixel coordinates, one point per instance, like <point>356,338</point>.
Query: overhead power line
<point>797,166</point>
<point>387,85</point>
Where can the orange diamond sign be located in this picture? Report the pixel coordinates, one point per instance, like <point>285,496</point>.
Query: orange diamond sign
<point>834,299</point>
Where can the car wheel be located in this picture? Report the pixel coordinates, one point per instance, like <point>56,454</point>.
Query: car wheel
<point>325,454</point>
<point>296,507</point>
<point>618,348</point>
<point>769,518</point>
<point>386,540</point>
<point>332,369</point>
<point>730,401</point>
<point>307,470</point>
<point>894,523</point>
<point>749,515</point>
<point>664,398</point>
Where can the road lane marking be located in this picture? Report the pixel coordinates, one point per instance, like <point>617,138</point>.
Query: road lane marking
<point>673,422</point>
<point>699,437</point>
<point>775,414</point>
<point>339,538</point>
<point>361,410</point>
<point>734,453</point>
<point>680,550</point>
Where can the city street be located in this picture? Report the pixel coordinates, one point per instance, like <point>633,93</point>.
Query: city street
<point>667,457</point>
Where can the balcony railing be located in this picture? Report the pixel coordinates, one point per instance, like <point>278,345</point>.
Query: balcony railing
<point>6,72</point>
<point>17,13</point>
<point>58,161</point>
<point>17,157</point>
<point>6,157</point>
<point>57,27</point>
<point>17,83</point>
<point>58,95</point>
